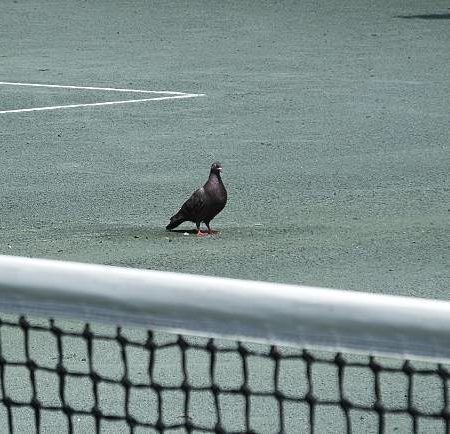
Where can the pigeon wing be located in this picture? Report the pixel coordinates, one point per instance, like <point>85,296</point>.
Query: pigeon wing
<point>193,208</point>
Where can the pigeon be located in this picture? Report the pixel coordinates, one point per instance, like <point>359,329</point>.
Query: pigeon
<point>204,204</point>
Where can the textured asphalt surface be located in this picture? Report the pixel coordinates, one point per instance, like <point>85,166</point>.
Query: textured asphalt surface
<point>330,120</point>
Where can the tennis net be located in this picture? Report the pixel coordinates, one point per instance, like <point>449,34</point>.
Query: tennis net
<point>89,348</point>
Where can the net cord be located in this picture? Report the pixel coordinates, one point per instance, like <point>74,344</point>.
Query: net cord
<point>262,312</point>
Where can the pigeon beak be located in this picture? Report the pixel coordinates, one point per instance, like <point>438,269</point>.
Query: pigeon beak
<point>219,169</point>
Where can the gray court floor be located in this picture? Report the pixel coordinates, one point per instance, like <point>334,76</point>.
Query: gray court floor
<point>330,119</point>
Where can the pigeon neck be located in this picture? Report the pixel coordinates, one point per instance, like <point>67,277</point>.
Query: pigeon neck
<point>214,177</point>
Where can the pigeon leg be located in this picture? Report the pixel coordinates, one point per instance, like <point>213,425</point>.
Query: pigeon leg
<point>200,233</point>
<point>210,231</point>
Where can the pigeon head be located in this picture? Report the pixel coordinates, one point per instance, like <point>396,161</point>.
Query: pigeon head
<point>216,167</point>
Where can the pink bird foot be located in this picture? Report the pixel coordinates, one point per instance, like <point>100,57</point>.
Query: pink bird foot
<point>201,233</point>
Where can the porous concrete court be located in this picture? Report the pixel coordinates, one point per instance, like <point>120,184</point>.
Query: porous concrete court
<point>330,119</point>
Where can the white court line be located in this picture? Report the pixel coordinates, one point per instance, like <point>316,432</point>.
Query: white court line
<point>171,95</point>
<point>128,101</point>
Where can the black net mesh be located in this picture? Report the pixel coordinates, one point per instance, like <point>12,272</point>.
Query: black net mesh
<point>73,377</point>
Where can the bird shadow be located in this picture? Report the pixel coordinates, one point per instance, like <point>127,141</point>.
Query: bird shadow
<point>182,231</point>
<point>445,16</point>
<point>129,231</point>
<point>124,232</point>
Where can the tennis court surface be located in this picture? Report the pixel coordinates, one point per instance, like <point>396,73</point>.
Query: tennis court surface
<point>331,123</point>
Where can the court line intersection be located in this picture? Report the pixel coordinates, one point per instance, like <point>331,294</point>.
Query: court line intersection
<point>167,95</point>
